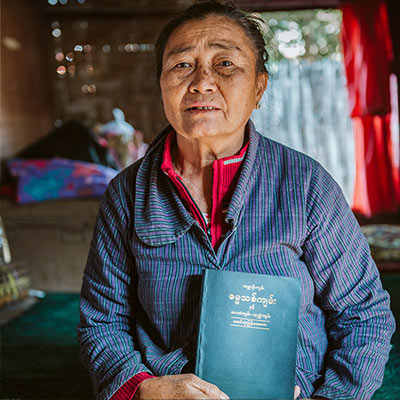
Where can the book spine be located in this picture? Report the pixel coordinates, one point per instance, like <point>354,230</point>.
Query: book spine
<point>199,355</point>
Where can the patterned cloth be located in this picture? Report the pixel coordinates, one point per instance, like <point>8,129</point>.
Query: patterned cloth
<point>141,288</point>
<point>49,179</point>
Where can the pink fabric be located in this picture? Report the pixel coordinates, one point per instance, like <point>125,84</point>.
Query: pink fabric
<point>368,59</point>
<point>128,389</point>
<point>225,176</point>
<point>368,56</point>
<point>375,190</point>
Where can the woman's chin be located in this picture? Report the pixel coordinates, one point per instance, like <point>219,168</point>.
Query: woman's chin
<point>203,132</point>
<point>203,128</point>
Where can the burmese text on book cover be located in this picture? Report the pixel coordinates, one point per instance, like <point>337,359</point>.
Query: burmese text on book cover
<point>248,334</point>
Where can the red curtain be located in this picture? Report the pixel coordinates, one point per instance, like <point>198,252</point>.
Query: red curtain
<point>368,59</point>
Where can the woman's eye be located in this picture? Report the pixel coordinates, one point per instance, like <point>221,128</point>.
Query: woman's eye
<point>226,63</point>
<point>183,65</point>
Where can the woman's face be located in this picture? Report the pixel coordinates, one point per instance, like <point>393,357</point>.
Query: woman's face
<point>209,82</point>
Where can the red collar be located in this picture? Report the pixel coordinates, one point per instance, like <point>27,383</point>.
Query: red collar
<point>225,175</point>
<point>228,164</point>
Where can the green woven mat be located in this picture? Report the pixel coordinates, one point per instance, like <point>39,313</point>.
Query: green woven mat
<point>390,388</point>
<point>39,352</point>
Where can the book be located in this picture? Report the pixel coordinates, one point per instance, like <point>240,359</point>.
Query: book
<point>247,336</point>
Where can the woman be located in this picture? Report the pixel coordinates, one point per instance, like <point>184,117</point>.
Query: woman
<point>213,193</point>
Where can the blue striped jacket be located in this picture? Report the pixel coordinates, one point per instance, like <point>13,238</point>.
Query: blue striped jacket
<point>141,286</point>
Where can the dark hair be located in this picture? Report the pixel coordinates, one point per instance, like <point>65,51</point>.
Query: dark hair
<point>251,24</point>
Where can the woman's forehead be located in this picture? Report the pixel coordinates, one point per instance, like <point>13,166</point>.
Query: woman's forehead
<point>213,31</point>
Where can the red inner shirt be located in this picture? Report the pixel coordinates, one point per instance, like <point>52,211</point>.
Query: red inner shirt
<point>225,173</point>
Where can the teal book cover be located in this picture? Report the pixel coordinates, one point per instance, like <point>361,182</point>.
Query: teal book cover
<point>248,334</point>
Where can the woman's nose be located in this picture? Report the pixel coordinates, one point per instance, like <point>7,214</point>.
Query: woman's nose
<point>203,82</point>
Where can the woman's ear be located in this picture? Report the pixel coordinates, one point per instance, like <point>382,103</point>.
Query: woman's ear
<point>262,82</point>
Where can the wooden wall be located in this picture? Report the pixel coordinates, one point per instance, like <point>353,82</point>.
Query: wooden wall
<point>25,95</point>
<point>106,61</point>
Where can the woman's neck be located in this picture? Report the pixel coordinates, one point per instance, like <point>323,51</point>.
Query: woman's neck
<point>192,159</point>
<point>196,156</point>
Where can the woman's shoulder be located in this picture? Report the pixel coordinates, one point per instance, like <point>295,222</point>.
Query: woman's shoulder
<point>123,184</point>
<point>294,164</point>
<point>285,152</point>
<point>285,157</point>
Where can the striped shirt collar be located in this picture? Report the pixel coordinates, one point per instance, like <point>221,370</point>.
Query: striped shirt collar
<point>154,197</point>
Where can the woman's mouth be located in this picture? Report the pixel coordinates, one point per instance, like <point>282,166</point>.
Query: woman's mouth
<point>202,108</point>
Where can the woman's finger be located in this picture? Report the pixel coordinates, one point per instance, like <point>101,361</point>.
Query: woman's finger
<point>211,390</point>
<point>296,392</point>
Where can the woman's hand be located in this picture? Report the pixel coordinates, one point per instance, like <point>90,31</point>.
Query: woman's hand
<point>185,386</point>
